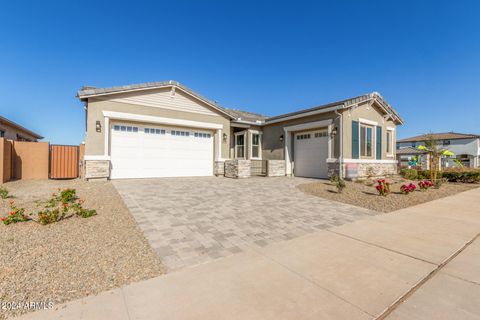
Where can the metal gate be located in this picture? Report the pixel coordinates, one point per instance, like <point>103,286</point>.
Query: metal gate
<point>258,167</point>
<point>64,162</point>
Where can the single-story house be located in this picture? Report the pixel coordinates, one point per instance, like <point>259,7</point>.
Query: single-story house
<point>164,129</point>
<point>13,131</point>
<point>465,146</point>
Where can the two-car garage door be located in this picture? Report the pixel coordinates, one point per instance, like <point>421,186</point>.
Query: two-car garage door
<point>311,153</point>
<point>149,151</point>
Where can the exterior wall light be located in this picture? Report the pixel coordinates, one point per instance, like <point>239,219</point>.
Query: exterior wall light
<point>98,126</point>
<point>281,138</point>
<point>225,137</point>
<point>334,132</point>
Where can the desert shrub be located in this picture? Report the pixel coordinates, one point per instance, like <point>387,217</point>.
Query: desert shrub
<point>383,187</point>
<point>425,185</point>
<point>63,205</point>
<point>3,193</point>
<point>47,216</point>
<point>15,215</point>
<point>407,188</point>
<point>464,175</point>
<point>409,174</point>
<point>338,182</point>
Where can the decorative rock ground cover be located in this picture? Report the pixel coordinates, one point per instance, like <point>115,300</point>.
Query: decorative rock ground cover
<point>74,257</point>
<point>364,193</point>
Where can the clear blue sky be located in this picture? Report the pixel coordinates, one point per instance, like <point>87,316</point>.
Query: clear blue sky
<point>269,57</point>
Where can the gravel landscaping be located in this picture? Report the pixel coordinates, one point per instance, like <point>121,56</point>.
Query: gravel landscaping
<point>75,257</point>
<point>364,194</point>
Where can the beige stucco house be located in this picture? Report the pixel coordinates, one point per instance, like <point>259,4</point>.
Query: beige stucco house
<point>13,131</point>
<point>164,129</point>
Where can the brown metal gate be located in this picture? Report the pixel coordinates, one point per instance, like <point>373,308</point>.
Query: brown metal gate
<point>64,162</point>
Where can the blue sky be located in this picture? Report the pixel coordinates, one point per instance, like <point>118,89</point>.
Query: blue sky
<point>269,57</point>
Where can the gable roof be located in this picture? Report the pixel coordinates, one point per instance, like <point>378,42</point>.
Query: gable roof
<point>246,116</point>
<point>19,127</point>
<point>440,136</point>
<point>343,104</point>
<point>89,92</point>
<point>410,150</point>
<point>238,115</point>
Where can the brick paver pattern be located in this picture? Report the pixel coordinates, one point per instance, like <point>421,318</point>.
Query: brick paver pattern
<point>189,221</point>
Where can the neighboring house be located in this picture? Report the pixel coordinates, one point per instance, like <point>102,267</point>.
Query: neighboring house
<point>13,131</point>
<point>164,129</point>
<point>466,147</point>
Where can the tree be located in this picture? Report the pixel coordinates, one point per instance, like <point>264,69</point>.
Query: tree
<point>435,152</point>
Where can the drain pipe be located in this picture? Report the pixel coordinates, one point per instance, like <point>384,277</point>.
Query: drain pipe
<point>340,143</point>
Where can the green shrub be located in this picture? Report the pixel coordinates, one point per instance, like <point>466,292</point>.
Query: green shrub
<point>63,205</point>
<point>15,215</point>
<point>464,175</point>
<point>3,193</point>
<point>68,195</point>
<point>339,183</point>
<point>410,174</point>
<point>48,216</point>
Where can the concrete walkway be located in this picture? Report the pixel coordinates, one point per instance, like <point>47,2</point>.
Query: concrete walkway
<point>427,256</point>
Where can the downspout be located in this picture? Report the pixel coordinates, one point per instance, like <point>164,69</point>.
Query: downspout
<point>340,143</point>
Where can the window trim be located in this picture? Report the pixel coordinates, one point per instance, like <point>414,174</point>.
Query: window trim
<point>390,131</point>
<point>372,145</point>
<point>241,133</point>
<point>259,145</point>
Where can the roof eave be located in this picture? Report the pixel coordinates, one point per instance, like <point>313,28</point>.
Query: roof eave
<point>84,98</point>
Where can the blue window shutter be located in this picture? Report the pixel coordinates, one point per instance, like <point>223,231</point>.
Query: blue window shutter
<point>379,143</point>
<point>355,142</point>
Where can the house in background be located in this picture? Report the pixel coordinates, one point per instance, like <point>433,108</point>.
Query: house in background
<point>466,147</point>
<point>13,131</point>
<point>164,129</point>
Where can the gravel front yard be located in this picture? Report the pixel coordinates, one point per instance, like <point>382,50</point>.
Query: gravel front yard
<point>362,195</point>
<point>75,257</point>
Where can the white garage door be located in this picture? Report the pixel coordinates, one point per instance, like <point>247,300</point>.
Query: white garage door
<point>310,154</point>
<point>151,151</point>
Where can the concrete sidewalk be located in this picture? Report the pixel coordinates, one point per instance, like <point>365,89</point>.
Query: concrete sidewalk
<point>361,270</point>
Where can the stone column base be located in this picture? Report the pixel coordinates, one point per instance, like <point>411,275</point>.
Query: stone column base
<point>97,169</point>
<point>275,168</point>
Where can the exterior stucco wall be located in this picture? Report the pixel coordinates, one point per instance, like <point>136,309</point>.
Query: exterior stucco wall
<point>95,141</point>
<point>373,114</point>
<point>274,149</point>
<point>11,133</point>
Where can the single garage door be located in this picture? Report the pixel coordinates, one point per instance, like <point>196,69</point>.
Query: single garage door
<point>310,154</point>
<point>153,151</point>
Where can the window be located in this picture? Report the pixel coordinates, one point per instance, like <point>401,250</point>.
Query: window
<point>255,145</point>
<point>446,142</point>
<point>240,146</point>
<point>202,135</point>
<point>321,134</point>
<point>153,131</point>
<point>2,133</point>
<point>389,142</point>
<point>125,128</point>
<point>303,136</point>
<point>180,133</point>
<point>366,143</point>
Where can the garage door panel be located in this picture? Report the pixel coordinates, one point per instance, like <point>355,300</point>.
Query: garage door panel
<point>143,154</point>
<point>310,154</point>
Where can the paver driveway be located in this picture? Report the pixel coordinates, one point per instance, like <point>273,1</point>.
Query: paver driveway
<point>189,221</point>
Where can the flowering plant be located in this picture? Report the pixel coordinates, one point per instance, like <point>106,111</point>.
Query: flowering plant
<point>15,215</point>
<point>383,187</point>
<point>407,188</point>
<point>425,185</point>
